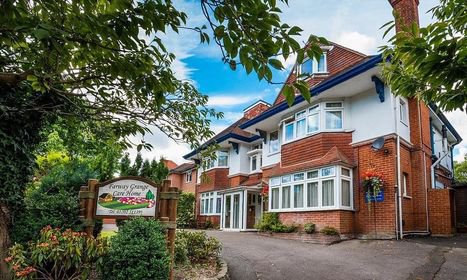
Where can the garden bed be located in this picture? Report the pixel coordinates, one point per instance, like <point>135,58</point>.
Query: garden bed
<point>315,238</point>
<point>206,271</point>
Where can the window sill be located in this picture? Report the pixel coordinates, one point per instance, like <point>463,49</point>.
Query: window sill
<point>289,210</point>
<point>210,214</point>
<point>274,153</point>
<point>217,167</point>
<point>407,196</point>
<point>254,152</point>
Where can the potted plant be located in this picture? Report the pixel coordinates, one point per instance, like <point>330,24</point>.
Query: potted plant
<point>372,184</point>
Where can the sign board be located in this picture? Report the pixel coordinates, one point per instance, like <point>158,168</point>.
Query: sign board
<point>377,198</point>
<point>127,197</point>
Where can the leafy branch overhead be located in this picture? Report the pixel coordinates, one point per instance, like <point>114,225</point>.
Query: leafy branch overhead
<point>430,63</point>
<point>107,59</point>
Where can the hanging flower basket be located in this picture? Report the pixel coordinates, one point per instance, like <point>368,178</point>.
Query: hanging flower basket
<point>372,184</point>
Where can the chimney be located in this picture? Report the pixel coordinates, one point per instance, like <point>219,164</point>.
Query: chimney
<point>255,109</point>
<point>407,10</point>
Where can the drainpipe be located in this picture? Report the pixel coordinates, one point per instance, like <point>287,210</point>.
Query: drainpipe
<point>398,168</point>
<point>440,158</point>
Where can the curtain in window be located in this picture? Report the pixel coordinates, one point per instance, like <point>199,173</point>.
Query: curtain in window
<point>333,119</point>
<point>275,198</point>
<point>328,192</point>
<point>345,193</point>
<point>298,196</point>
<point>286,197</point>
<point>312,194</point>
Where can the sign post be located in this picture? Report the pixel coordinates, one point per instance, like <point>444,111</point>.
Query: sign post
<point>126,197</point>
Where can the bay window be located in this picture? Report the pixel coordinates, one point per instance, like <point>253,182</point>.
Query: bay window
<point>323,116</point>
<point>327,188</point>
<point>210,203</point>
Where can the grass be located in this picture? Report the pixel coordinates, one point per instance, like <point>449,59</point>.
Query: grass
<point>121,206</point>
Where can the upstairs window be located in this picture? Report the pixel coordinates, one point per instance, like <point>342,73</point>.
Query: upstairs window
<point>274,142</point>
<point>313,66</point>
<point>307,67</point>
<point>321,68</point>
<point>188,176</point>
<point>403,110</point>
<point>223,158</point>
<point>310,121</point>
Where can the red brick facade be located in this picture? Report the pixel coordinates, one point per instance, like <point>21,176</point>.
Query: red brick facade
<point>255,110</point>
<point>441,212</point>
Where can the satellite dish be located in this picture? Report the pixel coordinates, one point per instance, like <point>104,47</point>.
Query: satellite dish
<point>378,144</point>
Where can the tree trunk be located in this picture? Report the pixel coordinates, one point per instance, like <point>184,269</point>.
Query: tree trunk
<point>4,241</point>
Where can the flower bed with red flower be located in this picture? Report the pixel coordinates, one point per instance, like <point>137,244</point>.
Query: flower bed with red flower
<point>372,183</point>
<point>136,200</point>
<point>57,255</point>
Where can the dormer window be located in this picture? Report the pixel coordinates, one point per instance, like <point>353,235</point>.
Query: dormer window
<point>313,66</point>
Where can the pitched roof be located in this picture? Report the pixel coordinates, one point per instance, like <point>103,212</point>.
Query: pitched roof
<point>182,167</point>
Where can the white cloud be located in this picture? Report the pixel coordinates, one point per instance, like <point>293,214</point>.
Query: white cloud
<point>458,119</point>
<point>232,116</point>
<point>231,99</point>
<point>357,41</point>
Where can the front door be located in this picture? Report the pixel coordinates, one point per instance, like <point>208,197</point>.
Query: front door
<point>232,214</point>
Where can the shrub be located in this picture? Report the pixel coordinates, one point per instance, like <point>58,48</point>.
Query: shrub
<point>57,254</point>
<point>137,251</point>
<point>283,228</point>
<point>196,247</point>
<point>327,230</point>
<point>54,201</point>
<point>309,228</point>
<point>208,225</point>
<point>268,220</point>
<point>186,210</point>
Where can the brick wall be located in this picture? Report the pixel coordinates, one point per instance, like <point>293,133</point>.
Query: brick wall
<point>235,181</point>
<point>255,110</point>
<point>339,219</point>
<point>407,11</point>
<point>461,205</point>
<point>441,210</point>
<point>217,179</point>
<point>315,147</point>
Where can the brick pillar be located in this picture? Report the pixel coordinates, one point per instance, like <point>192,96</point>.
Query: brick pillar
<point>407,12</point>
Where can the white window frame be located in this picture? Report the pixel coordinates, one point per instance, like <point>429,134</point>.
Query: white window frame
<point>403,111</point>
<point>189,176</point>
<point>211,164</point>
<point>209,200</point>
<point>337,177</point>
<point>315,65</point>
<point>271,152</point>
<point>318,109</point>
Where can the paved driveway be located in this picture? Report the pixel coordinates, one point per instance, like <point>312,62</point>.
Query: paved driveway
<point>255,257</point>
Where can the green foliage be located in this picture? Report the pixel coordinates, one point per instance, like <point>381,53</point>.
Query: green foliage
<point>309,228</point>
<point>186,210</point>
<point>53,201</point>
<point>430,62</point>
<point>137,251</point>
<point>460,170</point>
<point>154,170</point>
<point>196,247</point>
<point>57,255</point>
<point>270,222</point>
<point>327,230</point>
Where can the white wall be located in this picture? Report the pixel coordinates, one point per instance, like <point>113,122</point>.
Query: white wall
<point>368,116</point>
<point>239,163</point>
<point>438,149</point>
<point>269,159</point>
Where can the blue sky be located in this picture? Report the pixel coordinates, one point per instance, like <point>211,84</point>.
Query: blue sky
<point>352,23</point>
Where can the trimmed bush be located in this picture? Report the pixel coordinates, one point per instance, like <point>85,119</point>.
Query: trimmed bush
<point>309,228</point>
<point>327,230</point>
<point>186,210</point>
<point>57,255</point>
<point>283,228</point>
<point>196,247</point>
<point>268,220</point>
<point>137,251</point>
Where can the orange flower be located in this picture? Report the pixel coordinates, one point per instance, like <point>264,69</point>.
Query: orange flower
<point>43,244</point>
<point>7,260</point>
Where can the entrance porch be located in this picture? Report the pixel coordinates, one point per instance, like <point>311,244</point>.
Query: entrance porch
<point>242,208</point>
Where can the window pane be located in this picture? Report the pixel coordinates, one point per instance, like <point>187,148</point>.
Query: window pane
<point>218,205</point>
<point>345,193</point>
<point>312,174</point>
<point>289,132</point>
<point>253,163</point>
<point>298,176</point>
<point>314,109</point>
<point>211,205</point>
<point>286,197</point>
<point>301,127</point>
<point>307,67</point>
<point>223,158</point>
<point>328,171</point>
<point>345,172</point>
<point>333,104</point>
<point>201,210</point>
<point>298,196</point>
<point>313,122</point>
<point>275,198</point>
<point>274,142</point>
<point>206,209</point>
<point>312,195</point>
<point>328,193</point>
<point>275,181</point>
<point>286,179</point>
<point>321,64</point>
<point>333,119</point>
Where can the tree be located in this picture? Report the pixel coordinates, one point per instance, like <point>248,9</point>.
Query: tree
<point>125,165</point>
<point>136,168</point>
<point>430,63</point>
<point>146,169</point>
<point>159,170</point>
<point>460,170</point>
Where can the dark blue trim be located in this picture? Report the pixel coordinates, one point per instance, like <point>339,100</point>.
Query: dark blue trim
<point>221,139</point>
<point>379,87</point>
<point>445,121</point>
<point>350,73</point>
